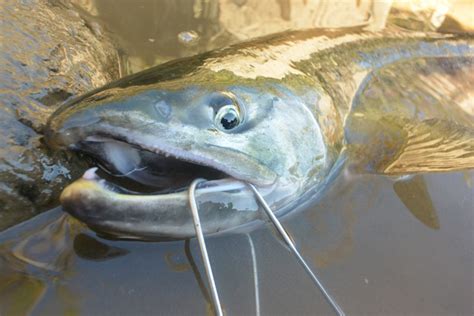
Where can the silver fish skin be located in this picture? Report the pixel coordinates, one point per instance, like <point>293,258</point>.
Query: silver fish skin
<point>279,112</point>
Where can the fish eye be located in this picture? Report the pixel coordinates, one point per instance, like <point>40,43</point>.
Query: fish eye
<point>227,112</point>
<point>228,117</point>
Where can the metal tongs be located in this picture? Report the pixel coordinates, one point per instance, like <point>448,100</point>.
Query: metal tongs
<point>280,229</point>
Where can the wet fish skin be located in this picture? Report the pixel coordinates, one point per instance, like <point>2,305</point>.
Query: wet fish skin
<point>299,91</point>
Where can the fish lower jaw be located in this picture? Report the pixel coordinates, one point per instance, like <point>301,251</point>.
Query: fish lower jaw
<point>207,186</point>
<point>105,207</point>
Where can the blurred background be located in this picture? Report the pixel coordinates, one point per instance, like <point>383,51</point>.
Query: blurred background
<point>152,32</point>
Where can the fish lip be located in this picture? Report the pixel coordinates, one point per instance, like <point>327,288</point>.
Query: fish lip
<point>177,153</point>
<point>151,217</point>
<point>220,184</point>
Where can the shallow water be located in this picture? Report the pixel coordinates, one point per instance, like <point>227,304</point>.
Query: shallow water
<point>368,249</point>
<point>152,32</point>
<point>371,253</point>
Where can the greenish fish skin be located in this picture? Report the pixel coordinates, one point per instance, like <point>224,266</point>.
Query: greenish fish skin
<point>297,93</point>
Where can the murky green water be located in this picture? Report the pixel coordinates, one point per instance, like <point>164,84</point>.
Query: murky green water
<point>368,249</point>
<point>370,252</point>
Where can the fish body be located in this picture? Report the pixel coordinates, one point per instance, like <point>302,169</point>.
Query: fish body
<point>279,112</point>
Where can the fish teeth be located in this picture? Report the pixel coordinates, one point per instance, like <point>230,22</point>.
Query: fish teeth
<point>90,174</point>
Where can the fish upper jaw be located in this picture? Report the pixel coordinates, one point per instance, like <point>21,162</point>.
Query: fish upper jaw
<point>237,165</point>
<point>234,163</point>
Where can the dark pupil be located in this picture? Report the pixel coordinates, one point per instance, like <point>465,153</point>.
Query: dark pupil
<point>229,121</point>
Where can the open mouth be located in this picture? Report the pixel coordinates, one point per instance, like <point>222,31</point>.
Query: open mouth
<point>142,192</point>
<point>131,170</point>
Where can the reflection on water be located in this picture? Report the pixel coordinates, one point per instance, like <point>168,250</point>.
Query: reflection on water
<point>175,261</point>
<point>19,293</point>
<point>199,278</point>
<point>169,29</point>
<point>89,248</point>
<point>36,262</point>
<point>371,253</point>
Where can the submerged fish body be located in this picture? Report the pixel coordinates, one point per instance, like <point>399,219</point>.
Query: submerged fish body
<point>278,112</point>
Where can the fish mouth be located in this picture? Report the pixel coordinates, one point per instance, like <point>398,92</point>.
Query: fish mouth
<point>131,169</point>
<point>140,189</point>
<point>112,211</point>
<point>143,194</point>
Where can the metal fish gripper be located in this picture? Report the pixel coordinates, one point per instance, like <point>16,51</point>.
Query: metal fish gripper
<point>279,228</point>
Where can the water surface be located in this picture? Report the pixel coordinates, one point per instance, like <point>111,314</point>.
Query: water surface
<point>372,254</point>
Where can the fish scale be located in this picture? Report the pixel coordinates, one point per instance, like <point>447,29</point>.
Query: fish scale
<point>309,102</point>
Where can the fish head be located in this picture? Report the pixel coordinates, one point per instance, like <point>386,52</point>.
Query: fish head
<point>165,135</point>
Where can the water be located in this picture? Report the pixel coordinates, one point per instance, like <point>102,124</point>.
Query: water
<point>152,32</point>
<point>372,254</point>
